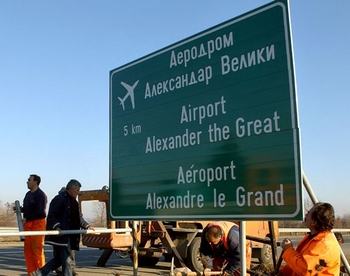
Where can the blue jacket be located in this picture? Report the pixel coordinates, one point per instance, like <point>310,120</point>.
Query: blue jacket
<point>60,216</point>
<point>228,249</point>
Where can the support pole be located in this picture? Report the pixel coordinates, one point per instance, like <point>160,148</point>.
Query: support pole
<point>243,241</point>
<point>170,244</point>
<point>19,218</point>
<point>273,243</point>
<point>135,246</point>
<point>309,189</point>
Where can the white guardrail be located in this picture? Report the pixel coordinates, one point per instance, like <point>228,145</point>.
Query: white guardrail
<point>305,230</point>
<point>13,231</point>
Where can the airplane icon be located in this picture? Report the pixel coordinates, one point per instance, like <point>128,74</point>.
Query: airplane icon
<point>130,89</point>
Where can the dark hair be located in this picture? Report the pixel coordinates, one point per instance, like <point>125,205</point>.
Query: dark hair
<point>214,231</point>
<point>73,184</point>
<point>323,214</point>
<point>339,237</point>
<point>36,178</point>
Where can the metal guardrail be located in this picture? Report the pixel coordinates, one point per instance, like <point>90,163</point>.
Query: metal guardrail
<point>305,230</point>
<point>12,231</point>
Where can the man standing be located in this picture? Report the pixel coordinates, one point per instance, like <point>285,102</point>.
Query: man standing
<point>73,263</point>
<point>220,249</point>
<point>64,214</point>
<point>34,214</point>
<point>318,252</point>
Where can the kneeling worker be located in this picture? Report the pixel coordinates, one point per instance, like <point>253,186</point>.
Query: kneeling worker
<point>220,249</point>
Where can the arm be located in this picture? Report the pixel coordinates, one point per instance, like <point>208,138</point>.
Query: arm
<point>57,206</point>
<point>235,263</point>
<point>84,224</point>
<point>41,204</point>
<point>206,251</point>
<point>295,262</point>
<point>316,256</point>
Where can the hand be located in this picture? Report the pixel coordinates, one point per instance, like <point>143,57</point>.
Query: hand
<point>286,244</point>
<point>91,228</point>
<point>224,273</point>
<point>59,229</point>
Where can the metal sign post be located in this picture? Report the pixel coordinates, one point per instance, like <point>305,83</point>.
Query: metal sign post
<point>19,218</point>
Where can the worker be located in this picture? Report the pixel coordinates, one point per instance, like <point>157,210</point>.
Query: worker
<point>339,237</point>
<point>64,214</point>
<point>82,222</point>
<point>318,252</point>
<point>34,219</point>
<point>220,248</point>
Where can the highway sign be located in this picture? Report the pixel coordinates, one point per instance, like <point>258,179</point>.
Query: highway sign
<point>207,128</point>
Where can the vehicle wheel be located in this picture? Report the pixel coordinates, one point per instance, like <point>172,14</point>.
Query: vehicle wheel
<point>265,254</point>
<point>193,256</point>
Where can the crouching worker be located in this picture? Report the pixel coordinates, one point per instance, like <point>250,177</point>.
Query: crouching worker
<point>220,248</point>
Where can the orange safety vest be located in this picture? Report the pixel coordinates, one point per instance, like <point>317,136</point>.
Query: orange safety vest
<point>317,256</point>
<point>225,227</point>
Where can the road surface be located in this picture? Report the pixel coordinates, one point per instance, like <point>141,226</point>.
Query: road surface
<point>12,261</point>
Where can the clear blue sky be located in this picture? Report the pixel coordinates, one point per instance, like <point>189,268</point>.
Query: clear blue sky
<point>55,58</point>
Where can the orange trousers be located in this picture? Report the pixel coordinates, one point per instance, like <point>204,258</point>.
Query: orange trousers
<point>33,245</point>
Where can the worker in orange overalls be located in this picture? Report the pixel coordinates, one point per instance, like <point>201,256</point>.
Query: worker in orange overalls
<point>34,219</point>
<point>318,252</point>
<point>220,248</point>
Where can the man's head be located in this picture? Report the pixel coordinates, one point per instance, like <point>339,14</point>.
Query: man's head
<point>320,217</point>
<point>33,182</point>
<point>339,237</point>
<point>213,235</point>
<point>73,188</point>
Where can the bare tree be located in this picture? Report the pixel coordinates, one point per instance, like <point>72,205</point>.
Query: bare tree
<point>99,214</point>
<point>307,204</point>
<point>7,215</point>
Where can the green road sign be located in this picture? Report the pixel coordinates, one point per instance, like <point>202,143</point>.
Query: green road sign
<point>207,128</point>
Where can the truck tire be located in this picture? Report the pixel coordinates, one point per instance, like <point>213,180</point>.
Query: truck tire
<point>265,256</point>
<point>193,259</point>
